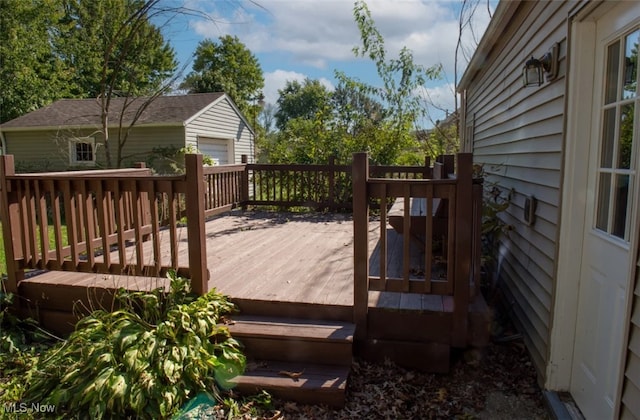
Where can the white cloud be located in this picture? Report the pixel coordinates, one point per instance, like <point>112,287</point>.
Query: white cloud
<point>292,36</point>
<point>273,81</point>
<point>317,32</point>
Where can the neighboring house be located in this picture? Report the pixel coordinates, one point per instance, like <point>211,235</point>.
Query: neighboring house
<point>570,274</point>
<point>68,134</point>
<point>442,139</point>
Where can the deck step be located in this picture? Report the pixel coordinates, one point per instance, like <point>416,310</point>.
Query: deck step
<point>300,382</point>
<point>295,340</point>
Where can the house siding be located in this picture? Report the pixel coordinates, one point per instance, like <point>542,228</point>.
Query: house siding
<point>221,121</point>
<point>142,140</point>
<point>518,136</point>
<point>40,150</point>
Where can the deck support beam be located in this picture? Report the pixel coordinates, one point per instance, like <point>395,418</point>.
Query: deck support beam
<point>195,224</point>
<point>360,174</point>
<point>463,249</point>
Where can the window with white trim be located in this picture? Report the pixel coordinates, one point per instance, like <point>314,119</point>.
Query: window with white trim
<point>82,151</point>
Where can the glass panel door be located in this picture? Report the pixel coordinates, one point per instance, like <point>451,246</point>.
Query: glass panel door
<point>617,173</point>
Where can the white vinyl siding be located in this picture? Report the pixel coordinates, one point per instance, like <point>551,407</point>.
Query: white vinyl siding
<point>143,140</point>
<point>221,121</point>
<point>518,137</point>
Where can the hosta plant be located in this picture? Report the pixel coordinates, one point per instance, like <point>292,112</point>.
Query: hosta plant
<point>145,359</point>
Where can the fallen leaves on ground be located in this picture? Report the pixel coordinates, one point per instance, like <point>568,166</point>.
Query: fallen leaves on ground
<point>496,382</point>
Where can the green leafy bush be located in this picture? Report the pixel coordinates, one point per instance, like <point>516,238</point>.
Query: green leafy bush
<point>21,343</point>
<point>145,359</point>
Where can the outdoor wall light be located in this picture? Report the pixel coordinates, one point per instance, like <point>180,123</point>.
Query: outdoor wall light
<point>535,69</point>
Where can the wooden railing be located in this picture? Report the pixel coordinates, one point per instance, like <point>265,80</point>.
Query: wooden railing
<point>462,206</point>
<point>113,221</point>
<point>100,221</point>
<point>319,187</point>
<point>225,188</point>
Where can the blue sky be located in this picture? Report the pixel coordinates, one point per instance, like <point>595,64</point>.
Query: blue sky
<point>294,39</point>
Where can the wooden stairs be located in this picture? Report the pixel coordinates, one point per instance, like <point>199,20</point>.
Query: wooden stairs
<point>296,359</point>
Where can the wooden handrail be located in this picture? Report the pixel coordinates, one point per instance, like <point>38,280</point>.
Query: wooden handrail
<point>459,208</point>
<point>318,186</point>
<point>99,221</point>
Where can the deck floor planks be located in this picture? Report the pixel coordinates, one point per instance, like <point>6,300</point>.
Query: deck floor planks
<point>277,257</point>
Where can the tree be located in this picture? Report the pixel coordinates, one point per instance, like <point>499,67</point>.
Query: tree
<point>300,100</point>
<point>315,124</point>
<point>31,74</point>
<point>230,67</point>
<point>115,50</point>
<point>401,77</point>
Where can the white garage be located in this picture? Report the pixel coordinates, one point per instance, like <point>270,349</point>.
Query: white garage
<point>220,150</point>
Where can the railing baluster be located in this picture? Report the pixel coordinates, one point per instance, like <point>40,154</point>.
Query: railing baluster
<point>120,202</point>
<point>428,241</point>
<point>41,212</point>
<point>31,224</point>
<point>450,257</point>
<point>155,227</point>
<point>89,231</point>
<point>406,239</point>
<point>137,223</point>
<point>103,203</point>
<point>71,219</point>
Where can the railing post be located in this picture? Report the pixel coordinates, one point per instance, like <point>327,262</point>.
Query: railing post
<point>463,249</point>
<point>332,184</point>
<point>448,162</point>
<point>428,172</point>
<point>9,215</point>
<point>360,174</point>
<point>195,224</point>
<point>245,182</point>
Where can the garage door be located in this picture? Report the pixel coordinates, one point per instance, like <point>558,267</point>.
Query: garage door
<point>218,149</point>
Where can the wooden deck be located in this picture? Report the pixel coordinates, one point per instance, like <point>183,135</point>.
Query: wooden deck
<point>312,289</point>
<point>304,258</point>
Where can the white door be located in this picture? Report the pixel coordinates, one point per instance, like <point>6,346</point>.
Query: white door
<point>217,149</point>
<point>607,262</point>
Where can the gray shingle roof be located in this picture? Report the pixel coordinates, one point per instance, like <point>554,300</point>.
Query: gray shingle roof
<point>168,110</point>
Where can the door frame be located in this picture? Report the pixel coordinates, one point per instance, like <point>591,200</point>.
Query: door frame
<point>574,199</point>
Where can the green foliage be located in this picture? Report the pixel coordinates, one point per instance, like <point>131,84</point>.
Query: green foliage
<point>315,124</point>
<point>493,228</point>
<point>145,359</point>
<point>31,73</point>
<point>401,77</point>
<point>21,341</point>
<point>170,160</point>
<point>227,66</point>
<point>307,101</point>
<point>115,49</point>
<point>52,49</point>
<point>441,140</point>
